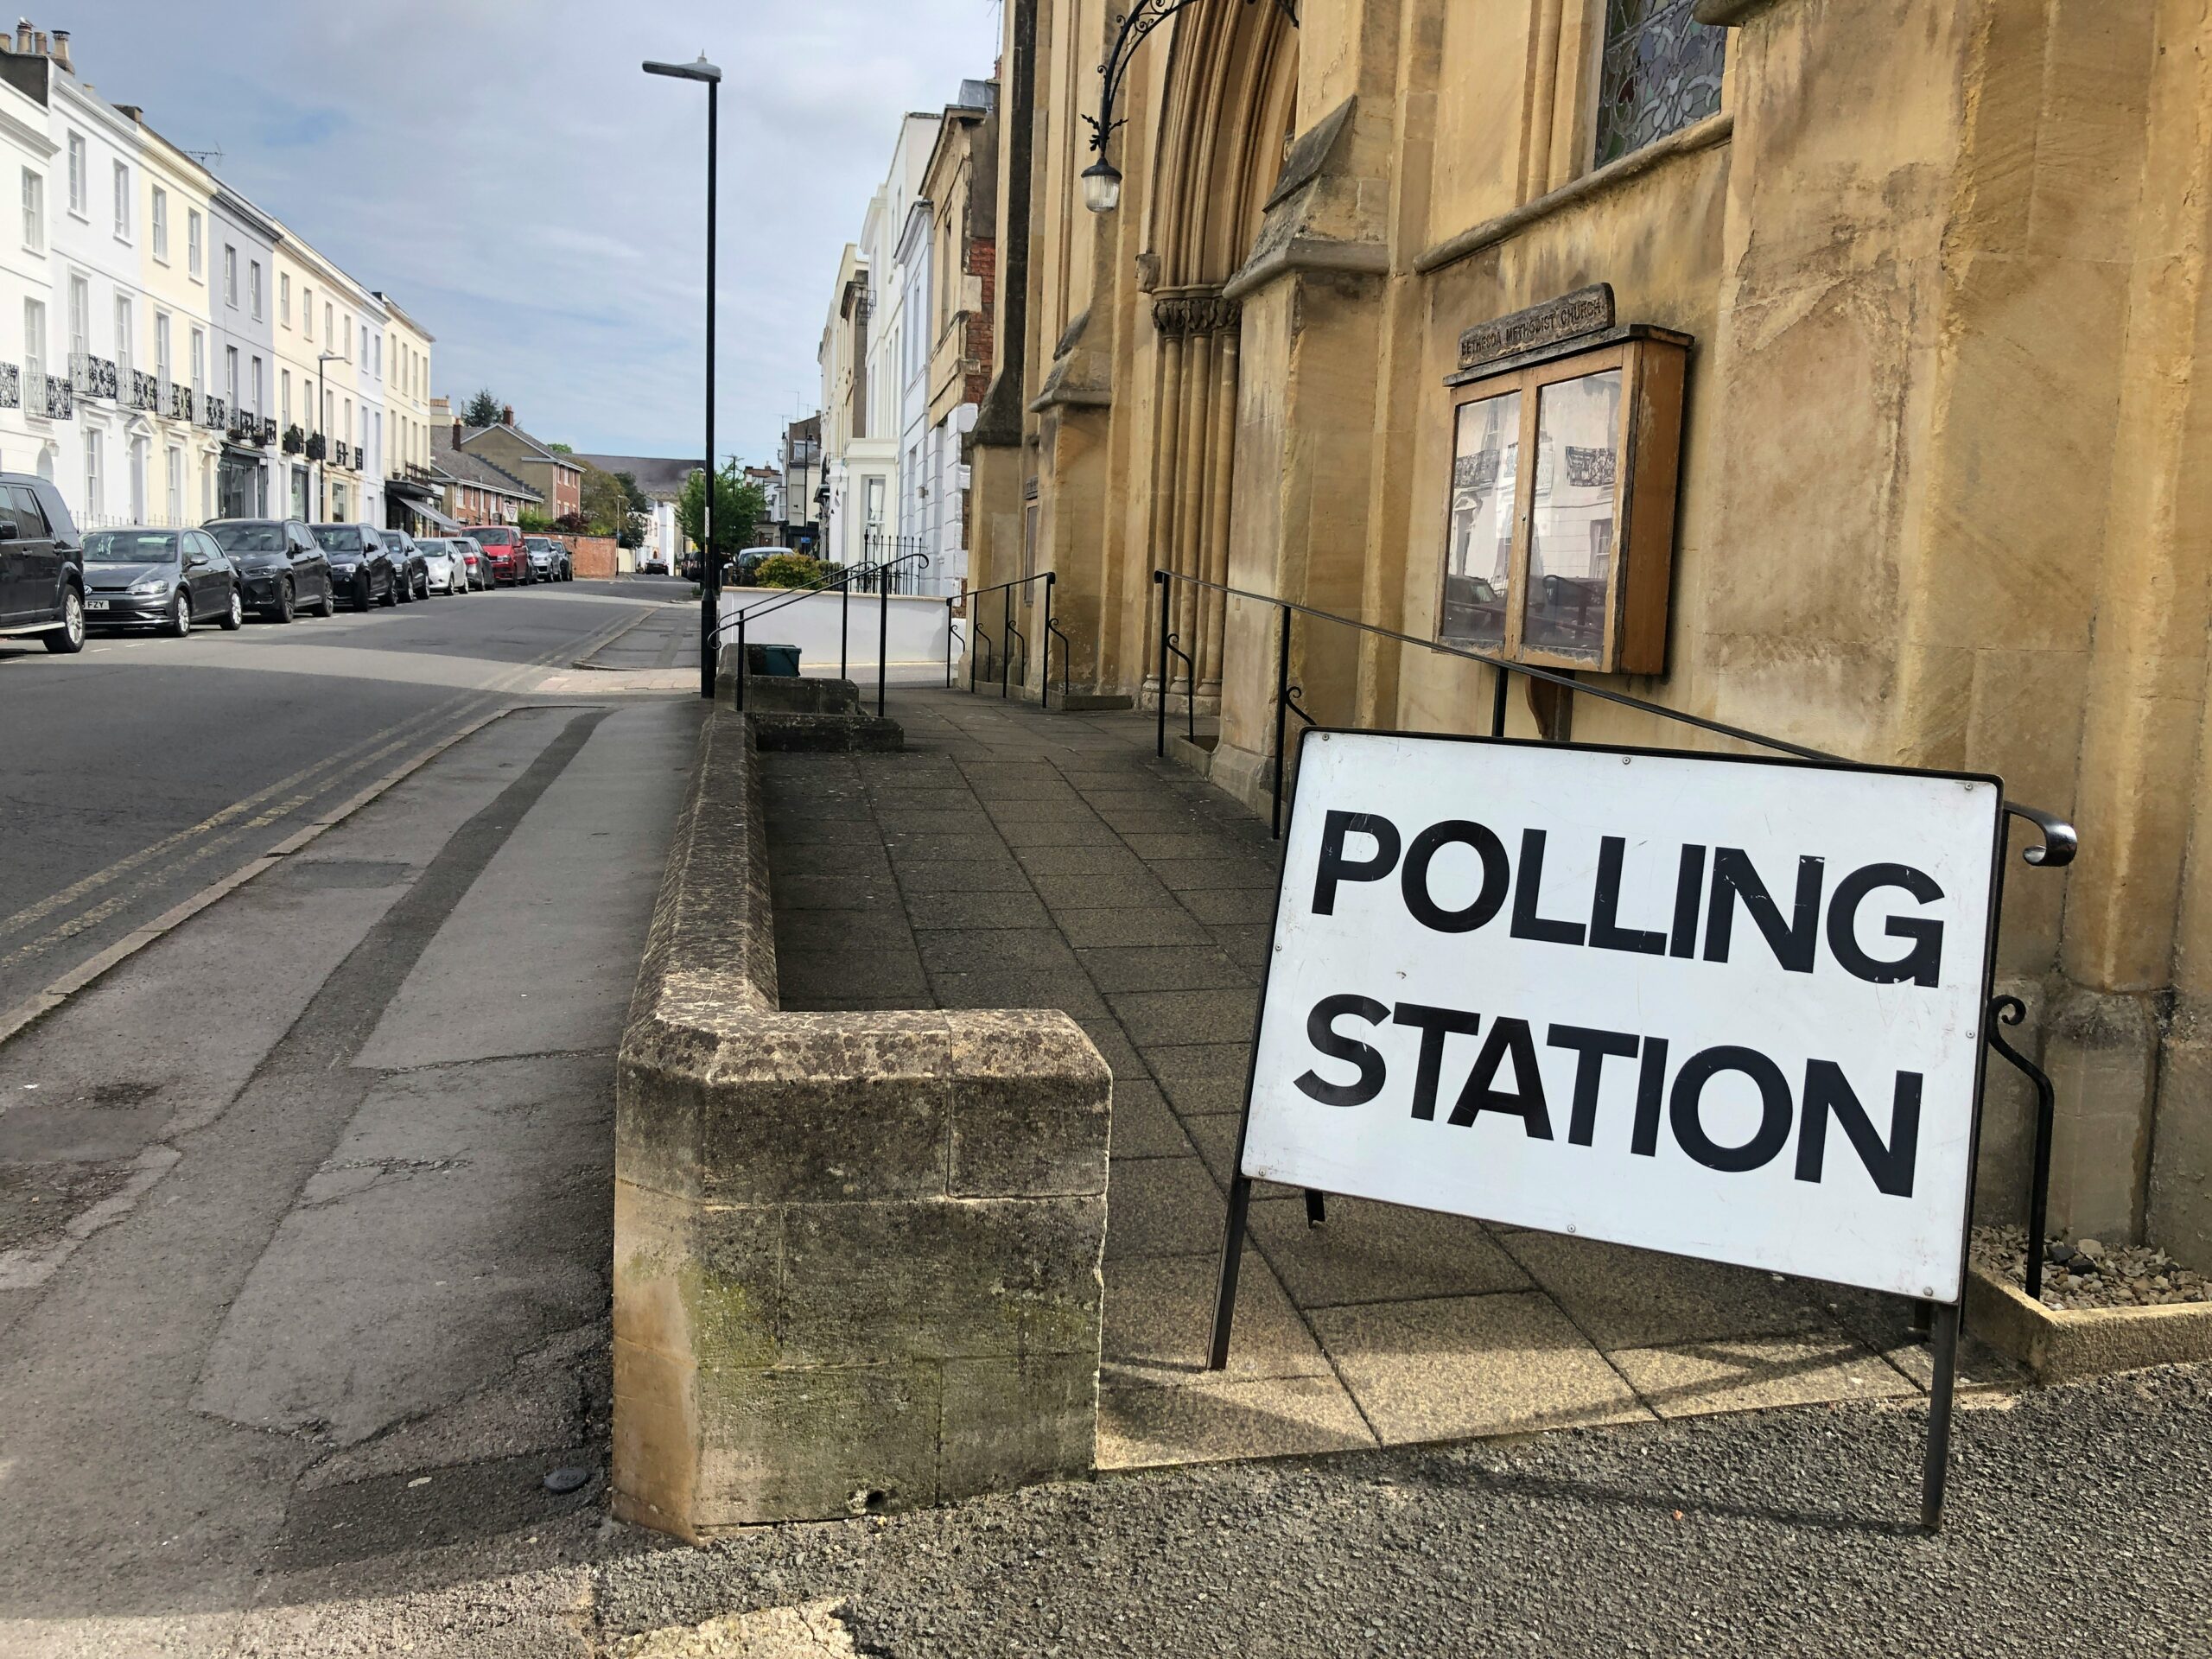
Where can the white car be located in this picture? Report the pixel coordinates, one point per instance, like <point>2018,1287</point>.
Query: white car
<point>446,572</point>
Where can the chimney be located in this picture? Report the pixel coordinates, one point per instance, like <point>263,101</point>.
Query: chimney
<point>507,414</point>
<point>38,43</point>
<point>61,50</point>
<point>23,35</point>
<point>456,434</point>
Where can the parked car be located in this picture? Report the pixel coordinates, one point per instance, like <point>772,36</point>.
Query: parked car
<point>502,544</point>
<point>444,570</point>
<point>41,565</point>
<point>143,577</point>
<point>549,560</point>
<point>409,567</point>
<point>358,565</point>
<point>479,562</point>
<point>653,564</point>
<point>281,570</point>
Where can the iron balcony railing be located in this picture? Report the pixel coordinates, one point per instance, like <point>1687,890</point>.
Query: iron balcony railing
<point>11,386</point>
<point>91,376</point>
<point>145,392</point>
<point>178,403</point>
<point>214,412</point>
<point>48,394</point>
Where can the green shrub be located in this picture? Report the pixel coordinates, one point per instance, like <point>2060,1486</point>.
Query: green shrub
<point>787,571</point>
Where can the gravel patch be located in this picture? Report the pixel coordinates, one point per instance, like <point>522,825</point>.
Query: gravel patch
<point>2086,1272</point>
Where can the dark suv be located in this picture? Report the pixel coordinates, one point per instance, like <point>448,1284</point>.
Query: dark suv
<point>409,564</point>
<point>358,565</point>
<point>41,565</point>
<point>281,571</point>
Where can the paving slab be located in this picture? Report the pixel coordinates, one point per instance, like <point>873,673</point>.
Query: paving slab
<point>1746,1374</point>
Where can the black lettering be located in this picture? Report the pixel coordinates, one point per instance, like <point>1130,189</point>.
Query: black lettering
<point>1507,1036</point>
<point>1650,1094</point>
<point>1689,891</point>
<point>1333,867</point>
<point>1434,1024</point>
<point>1924,963</point>
<point>1528,892</point>
<point>1415,877</point>
<point>1891,1163</point>
<point>1733,880</point>
<point>1774,1098</point>
<point>1321,1032</point>
<point>1605,932</point>
<point>1592,1049</point>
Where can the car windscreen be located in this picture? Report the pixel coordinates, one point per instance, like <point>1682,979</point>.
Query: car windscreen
<point>495,537</point>
<point>338,539</point>
<point>249,538</point>
<point>131,546</point>
<point>432,548</point>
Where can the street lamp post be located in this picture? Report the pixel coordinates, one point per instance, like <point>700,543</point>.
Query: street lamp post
<point>710,575</point>
<point>1101,180</point>
<point>321,424</point>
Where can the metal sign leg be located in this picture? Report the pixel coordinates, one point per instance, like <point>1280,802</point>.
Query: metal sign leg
<point>1232,1257</point>
<point>1937,1467</point>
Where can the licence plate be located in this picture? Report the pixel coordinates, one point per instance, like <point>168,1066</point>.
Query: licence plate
<point>96,604</point>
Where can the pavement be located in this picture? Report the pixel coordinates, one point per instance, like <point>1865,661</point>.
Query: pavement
<point>1016,859</point>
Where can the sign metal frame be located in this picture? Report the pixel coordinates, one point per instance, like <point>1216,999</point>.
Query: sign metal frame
<point>1945,1317</point>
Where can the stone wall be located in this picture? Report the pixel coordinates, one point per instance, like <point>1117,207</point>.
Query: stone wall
<point>856,1255</point>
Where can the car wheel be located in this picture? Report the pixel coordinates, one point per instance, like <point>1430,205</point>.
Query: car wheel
<point>362,597</point>
<point>288,605</point>
<point>390,594</point>
<point>328,607</point>
<point>69,639</point>
<point>234,618</point>
<point>180,622</point>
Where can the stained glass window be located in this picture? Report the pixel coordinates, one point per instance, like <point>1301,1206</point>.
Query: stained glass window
<point>1660,72</point>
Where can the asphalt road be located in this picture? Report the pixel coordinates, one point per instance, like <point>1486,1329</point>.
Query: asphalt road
<point>134,775</point>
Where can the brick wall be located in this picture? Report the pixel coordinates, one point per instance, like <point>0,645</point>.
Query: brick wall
<point>983,263</point>
<point>591,555</point>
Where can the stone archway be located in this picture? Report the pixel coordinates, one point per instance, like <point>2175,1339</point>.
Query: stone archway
<point>1231,96</point>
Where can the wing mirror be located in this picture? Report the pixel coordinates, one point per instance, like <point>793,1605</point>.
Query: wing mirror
<point>7,528</point>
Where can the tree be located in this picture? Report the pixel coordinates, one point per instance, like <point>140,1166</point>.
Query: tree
<point>562,448</point>
<point>740,504</point>
<point>483,410</point>
<point>614,505</point>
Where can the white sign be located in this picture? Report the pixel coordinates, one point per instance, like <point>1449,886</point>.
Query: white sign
<point>1728,1009</point>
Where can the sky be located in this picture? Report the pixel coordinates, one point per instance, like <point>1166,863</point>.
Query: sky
<point>505,171</point>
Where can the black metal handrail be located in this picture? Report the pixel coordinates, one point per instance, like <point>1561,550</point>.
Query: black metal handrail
<point>842,584</point>
<point>2057,845</point>
<point>1009,633</point>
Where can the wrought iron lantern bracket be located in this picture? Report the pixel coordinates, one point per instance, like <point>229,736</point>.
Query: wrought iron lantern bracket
<point>1102,181</point>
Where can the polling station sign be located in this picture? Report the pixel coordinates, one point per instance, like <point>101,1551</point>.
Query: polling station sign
<point>1730,1009</point>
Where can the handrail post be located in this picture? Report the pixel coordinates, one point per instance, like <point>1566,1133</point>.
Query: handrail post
<point>743,666</point>
<point>947,644</point>
<point>844,621</point>
<point>1045,679</point>
<point>882,646</point>
<point>1282,714</point>
<point>1159,587</point>
<point>1005,649</point>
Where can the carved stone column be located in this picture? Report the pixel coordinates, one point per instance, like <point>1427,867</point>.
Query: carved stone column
<point>1192,475</point>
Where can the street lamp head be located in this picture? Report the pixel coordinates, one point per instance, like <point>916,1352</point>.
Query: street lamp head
<point>699,69</point>
<point>1102,187</point>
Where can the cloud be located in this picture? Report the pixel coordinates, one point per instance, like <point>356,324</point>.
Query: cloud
<point>504,170</point>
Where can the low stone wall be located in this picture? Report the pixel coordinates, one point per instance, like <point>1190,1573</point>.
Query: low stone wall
<point>856,1255</point>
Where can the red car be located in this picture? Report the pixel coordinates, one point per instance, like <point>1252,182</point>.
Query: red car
<point>502,545</point>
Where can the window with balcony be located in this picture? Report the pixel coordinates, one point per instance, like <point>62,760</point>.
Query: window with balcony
<point>231,377</point>
<point>80,317</point>
<point>230,274</point>
<point>80,176</point>
<point>34,354</point>
<point>192,238</point>
<point>1659,71</point>
<point>198,364</point>
<point>284,396</point>
<point>160,225</point>
<point>123,201</point>
<point>162,349</point>
<point>34,213</point>
<point>123,352</point>
<point>257,405</point>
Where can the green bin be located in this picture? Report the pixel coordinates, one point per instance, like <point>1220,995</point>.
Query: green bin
<point>775,662</point>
